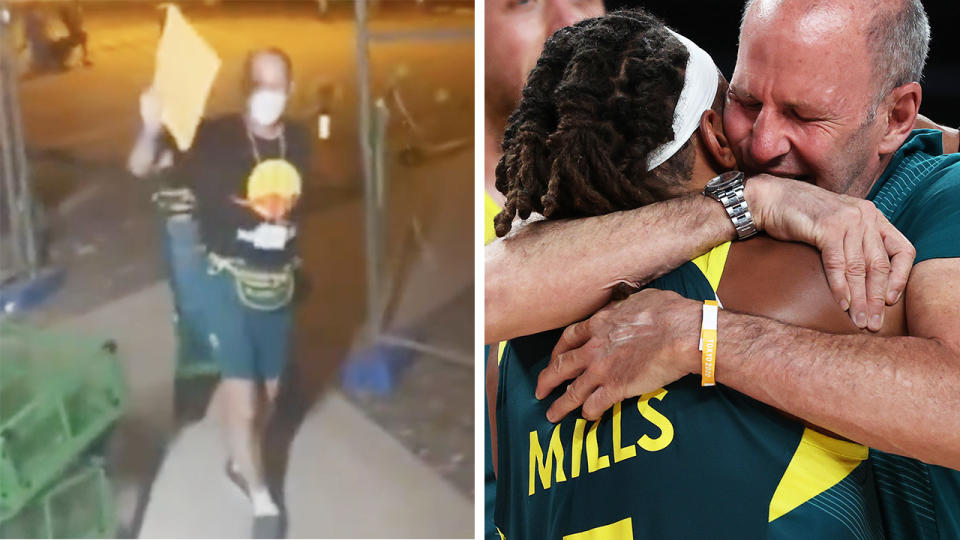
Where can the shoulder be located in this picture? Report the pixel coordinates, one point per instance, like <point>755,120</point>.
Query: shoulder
<point>939,193</point>
<point>296,130</point>
<point>298,136</point>
<point>527,350</point>
<point>226,122</point>
<point>298,142</point>
<point>687,281</point>
<point>782,281</point>
<point>218,127</point>
<point>931,219</point>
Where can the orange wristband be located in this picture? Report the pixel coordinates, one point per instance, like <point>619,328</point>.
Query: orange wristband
<point>708,344</point>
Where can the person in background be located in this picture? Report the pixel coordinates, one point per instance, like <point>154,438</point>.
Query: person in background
<point>72,18</point>
<point>49,54</point>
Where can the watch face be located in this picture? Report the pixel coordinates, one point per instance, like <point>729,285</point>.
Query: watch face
<point>724,179</point>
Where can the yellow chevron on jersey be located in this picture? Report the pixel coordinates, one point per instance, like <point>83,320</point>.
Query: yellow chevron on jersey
<point>621,530</point>
<point>712,262</point>
<point>820,461</point>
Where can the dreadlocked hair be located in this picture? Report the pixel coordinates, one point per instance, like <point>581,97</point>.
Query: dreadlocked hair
<point>600,99</point>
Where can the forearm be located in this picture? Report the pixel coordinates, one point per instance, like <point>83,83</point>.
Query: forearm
<point>550,274</point>
<point>142,159</point>
<point>896,394</point>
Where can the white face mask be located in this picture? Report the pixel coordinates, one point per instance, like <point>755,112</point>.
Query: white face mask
<point>266,106</point>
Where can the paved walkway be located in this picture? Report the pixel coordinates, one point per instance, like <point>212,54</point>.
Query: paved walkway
<point>345,475</point>
<point>347,478</point>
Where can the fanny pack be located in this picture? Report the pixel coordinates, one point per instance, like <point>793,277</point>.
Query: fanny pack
<point>257,289</point>
<point>174,201</point>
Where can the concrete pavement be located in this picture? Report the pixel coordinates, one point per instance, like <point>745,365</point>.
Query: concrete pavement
<point>345,475</point>
<point>347,478</point>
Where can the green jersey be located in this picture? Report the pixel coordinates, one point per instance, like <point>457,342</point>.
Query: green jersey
<point>681,462</point>
<point>919,192</point>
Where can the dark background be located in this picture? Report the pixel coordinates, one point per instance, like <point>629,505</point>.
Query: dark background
<point>714,25</point>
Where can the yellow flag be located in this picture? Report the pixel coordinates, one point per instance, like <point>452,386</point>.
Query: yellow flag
<point>186,68</point>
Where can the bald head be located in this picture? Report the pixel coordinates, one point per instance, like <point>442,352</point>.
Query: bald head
<point>270,68</point>
<point>826,90</point>
<point>894,33</point>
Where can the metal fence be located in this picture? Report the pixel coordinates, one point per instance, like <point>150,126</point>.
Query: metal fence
<point>374,117</point>
<point>19,250</point>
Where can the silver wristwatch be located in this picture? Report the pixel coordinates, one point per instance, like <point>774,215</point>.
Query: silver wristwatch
<point>728,189</point>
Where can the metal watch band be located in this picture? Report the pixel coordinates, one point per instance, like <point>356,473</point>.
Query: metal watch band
<point>728,190</point>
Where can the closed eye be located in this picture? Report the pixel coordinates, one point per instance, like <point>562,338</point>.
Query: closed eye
<point>748,104</point>
<point>803,117</point>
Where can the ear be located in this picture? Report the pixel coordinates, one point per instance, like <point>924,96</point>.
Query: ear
<point>718,147</point>
<point>901,107</point>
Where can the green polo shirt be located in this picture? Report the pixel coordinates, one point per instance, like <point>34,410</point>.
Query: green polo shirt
<point>919,192</point>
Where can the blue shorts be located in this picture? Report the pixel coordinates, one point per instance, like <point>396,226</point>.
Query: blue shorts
<point>247,343</point>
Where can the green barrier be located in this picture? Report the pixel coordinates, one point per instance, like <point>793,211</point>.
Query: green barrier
<point>79,506</point>
<point>58,394</point>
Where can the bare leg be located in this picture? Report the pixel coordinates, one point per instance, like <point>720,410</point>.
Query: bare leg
<point>271,387</point>
<point>241,402</point>
<point>217,408</point>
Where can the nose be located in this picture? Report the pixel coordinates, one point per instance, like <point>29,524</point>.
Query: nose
<point>562,13</point>
<point>769,141</point>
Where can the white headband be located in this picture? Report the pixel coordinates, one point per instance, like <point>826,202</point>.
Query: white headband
<point>699,89</point>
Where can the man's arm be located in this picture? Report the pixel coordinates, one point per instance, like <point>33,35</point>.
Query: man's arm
<point>143,159</point>
<point>551,274</point>
<point>898,394</point>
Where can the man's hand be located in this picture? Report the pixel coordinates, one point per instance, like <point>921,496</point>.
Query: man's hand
<point>866,259</point>
<point>151,110</point>
<point>626,349</point>
<point>143,159</point>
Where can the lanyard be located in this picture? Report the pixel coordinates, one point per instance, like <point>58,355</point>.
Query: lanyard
<point>256,153</point>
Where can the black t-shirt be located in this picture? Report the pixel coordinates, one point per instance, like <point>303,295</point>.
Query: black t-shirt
<point>217,169</point>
